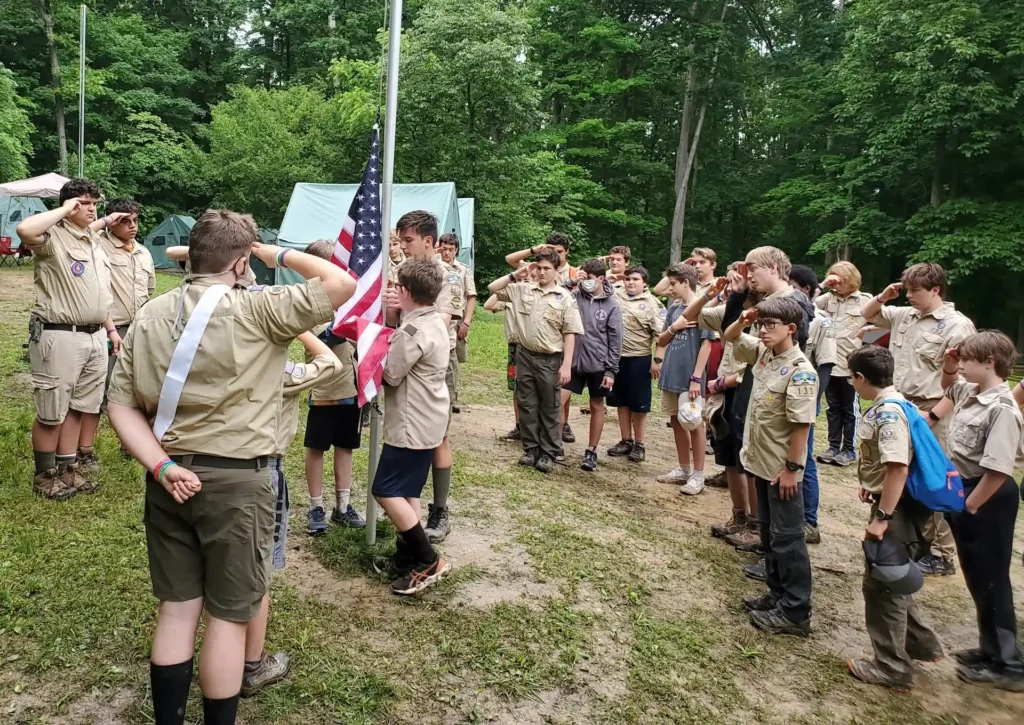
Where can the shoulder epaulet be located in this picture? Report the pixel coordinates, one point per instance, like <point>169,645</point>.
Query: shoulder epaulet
<point>410,329</point>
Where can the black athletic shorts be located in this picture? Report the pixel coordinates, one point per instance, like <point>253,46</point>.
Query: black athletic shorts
<point>632,387</point>
<point>727,449</point>
<point>402,472</point>
<point>340,426</point>
<point>591,381</point>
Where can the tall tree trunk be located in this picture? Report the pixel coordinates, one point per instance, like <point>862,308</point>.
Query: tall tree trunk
<point>46,14</point>
<point>940,148</point>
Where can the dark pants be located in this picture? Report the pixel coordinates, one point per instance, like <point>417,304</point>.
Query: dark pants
<point>111,359</point>
<point>898,634</point>
<point>782,536</point>
<point>539,397</point>
<point>842,423</point>
<point>984,542</point>
<point>809,487</point>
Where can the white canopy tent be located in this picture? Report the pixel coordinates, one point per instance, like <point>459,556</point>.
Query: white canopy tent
<point>46,186</point>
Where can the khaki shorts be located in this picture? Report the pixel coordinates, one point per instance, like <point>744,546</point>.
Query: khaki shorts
<point>670,403</point>
<point>460,351</point>
<point>449,381</point>
<point>69,371</point>
<point>217,545</point>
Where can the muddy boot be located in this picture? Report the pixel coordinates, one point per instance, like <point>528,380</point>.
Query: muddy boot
<point>73,478</point>
<point>733,526</point>
<point>717,481</point>
<point>88,464</point>
<point>269,669</point>
<point>748,540</point>
<point>48,485</point>
<point>867,671</point>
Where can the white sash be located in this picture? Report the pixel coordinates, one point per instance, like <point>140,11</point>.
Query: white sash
<point>183,356</point>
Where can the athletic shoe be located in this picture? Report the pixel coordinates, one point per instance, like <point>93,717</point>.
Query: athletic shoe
<point>437,528</point>
<point>316,521</point>
<point>622,448</point>
<point>395,565</point>
<point>931,565</point>
<point>776,622</point>
<point>348,518</point>
<point>758,572</point>
<point>693,486</point>
<point>270,669</point>
<point>560,457</point>
<point>676,475</point>
<point>528,459</point>
<point>567,435</point>
<point>589,460</point>
<point>638,454</point>
<point>762,603</point>
<point>48,485</point>
<point>811,534</point>
<point>513,435</point>
<point>971,657</point>
<point>544,464</point>
<point>420,577</point>
<point>828,456</point>
<point>867,671</point>
<point>718,480</point>
<point>844,459</point>
<point>991,675</point>
<point>734,525</point>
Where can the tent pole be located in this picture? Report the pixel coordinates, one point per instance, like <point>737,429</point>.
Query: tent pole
<point>390,123</point>
<point>81,92</point>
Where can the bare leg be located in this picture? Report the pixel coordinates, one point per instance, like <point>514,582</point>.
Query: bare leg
<point>70,429</point>
<point>90,424</point>
<point>256,631</point>
<point>315,472</point>
<point>625,423</point>
<point>597,412</point>
<point>682,440</point>
<point>639,427</point>
<point>442,457</point>
<point>515,410</point>
<point>697,444</point>
<point>401,512</point>
<point>737,489</point>
<point>222,658</point>
<point>566,397</point>
<point>174,640</point>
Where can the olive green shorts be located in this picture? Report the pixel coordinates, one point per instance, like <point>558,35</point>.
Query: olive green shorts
<point>216,545</point>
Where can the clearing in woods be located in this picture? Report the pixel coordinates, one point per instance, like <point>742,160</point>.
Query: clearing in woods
<point>576,598</point>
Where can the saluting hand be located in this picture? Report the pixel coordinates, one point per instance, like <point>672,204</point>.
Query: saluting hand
<point>71,206</point>
<point>524,271</point>
<point>749,316</point>
<point>891,292</point>
<point>266,253</point>
<point>830,281</point>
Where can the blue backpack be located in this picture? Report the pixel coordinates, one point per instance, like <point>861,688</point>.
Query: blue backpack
<point>932,481</point>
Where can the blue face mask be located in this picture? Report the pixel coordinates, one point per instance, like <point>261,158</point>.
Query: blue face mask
<point>588,285</point>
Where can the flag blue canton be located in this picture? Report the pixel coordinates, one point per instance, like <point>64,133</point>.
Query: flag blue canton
<point>365,212</point>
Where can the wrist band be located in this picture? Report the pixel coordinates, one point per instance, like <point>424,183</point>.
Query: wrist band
<point>111,331</point>
<point>511,278</point>
<point>161,468</point>
<point>280,257</point>
<point>949,372</point>
<point>106,221</point>
<point>695,379</point>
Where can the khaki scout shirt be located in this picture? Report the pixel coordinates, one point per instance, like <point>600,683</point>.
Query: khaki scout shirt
<point>132,277</point>
<point>845,314</point>
<point>510,332</point>
<point>232,398</point>
<point>299,377</point>
<point>416,397</point>
<point>618,283</point>
<point>448,302</point>
<point>643,318</point>
<point>72,277</point>
<point>785,392</point>
<point>541,318</point>
<point>918,343</point>
<point>468,283</point>
<point>567,274</point>
<point>985,430</point>
<point>711,318</point>
<point>821,340</point>
<point>884,436</point>
<point>393,271</point>
<point>338,387</point>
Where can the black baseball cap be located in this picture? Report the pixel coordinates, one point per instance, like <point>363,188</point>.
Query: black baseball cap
<point>890,565</point>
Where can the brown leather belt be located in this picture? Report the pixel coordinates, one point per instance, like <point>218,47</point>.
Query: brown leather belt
<point>87,329</point>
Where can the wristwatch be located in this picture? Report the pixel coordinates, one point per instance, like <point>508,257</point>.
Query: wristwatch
<point>881,515</point>
<point>935,418</point>
<point>659,360</point>
<point>793,467</point>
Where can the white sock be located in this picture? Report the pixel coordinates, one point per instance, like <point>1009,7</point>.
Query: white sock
<point>316,502</point>
<point>342,495</point>
<point>698,476</point>
<point>687,470</point>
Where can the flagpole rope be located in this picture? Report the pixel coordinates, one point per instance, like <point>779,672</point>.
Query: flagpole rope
<point>382,74</point>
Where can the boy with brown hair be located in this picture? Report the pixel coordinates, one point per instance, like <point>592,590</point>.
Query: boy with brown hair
<point>560,244</point>
<point>618,262</point>
<point>466,290</point>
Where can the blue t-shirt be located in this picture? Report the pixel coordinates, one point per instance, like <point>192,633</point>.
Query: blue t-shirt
<point>681,355</point>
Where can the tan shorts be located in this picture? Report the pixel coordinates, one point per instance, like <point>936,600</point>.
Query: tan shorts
<point>460,351</point>
<point>69,371</point>
<point>669,403</point>
<point>217,545</point>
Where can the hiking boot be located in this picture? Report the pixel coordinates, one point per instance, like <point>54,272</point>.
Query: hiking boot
<point>992,675</point>
<point>437,528</point>
<point>748,540</point>
<point>456,409</point>
<point>971,657</point>
<point>867,671</point>
<point>758,571</point>
<point>676,475</point>
<point>828,456</point>
<point>88,463</point>
<point>47,485</point>
<point>567,435</point>
<point>585,410</point>
<point>734,525</point>
<point>270,669</point>
<point>762,603</point>
<point>844,459</point>
<point>544,463</point>
<point>316,521</point>
<point>693,486</point>
<point>931,565</point>
<point>622,448</point>
<point>589,460</point>
<point>513,435</point>
<point>638,454</point>
<point>420,577</point>
<point>348,518</point>
<point>717,481</point>
<point>776,622</point>
<point>529,458</point>
<point>73,478</point>
<point>811,534</point>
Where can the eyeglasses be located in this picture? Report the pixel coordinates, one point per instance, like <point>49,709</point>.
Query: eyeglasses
<point>770,324</point>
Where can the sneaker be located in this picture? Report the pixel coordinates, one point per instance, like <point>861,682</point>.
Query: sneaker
<point>758,572</point>
<point>776,622</point>
<point>693,486</point>
<point>734,525</point>
<point>513,435</point>
<point>828,456</point>
<point>991,675</point>
<point>48,485</point>
<point>528,459</point>
<point>560,458</point>
<point>420,577</point>
<point>971,657</point>
<point>395,565</point>
<point>763,603</point>
<point>867,671</point>
<point>622,448</point>
<point>589,460</point>
<point>73,478</point>
<point>931,565</point>
<point>348,518</point>
<point>844,459</point>
<point>437,528</point>
<point>638,454</point>
<point>88,463</point>
<point>676,475</point>
<point>271,669</point>
<point>316,521</point>
<point>567,435</point>
<point>811,534</point>
<point>544,464</point>
<point>717,481</point>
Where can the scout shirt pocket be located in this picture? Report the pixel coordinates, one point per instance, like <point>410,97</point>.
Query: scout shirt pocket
<point>931,346</point>
<point>969,432</point>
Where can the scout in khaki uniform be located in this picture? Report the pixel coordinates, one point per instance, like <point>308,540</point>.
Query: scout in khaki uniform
<point>983,443</point>
<point>178,407</point>
<point>774,450</point>
<point>560,243</point>
<point>395,257</point>
<point>642,320</point>
<point>417,409</point>
<point>921,334</point>
<point>449,246</point>
<point>67,344</point>
<point>418,233</point>
<point>546,321</point>
<point>618,266</point>
<point>898,633</point>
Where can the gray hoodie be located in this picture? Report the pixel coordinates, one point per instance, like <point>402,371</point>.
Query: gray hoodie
<point>599,348</point>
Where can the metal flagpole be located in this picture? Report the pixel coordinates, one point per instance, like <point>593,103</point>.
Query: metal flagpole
<point>390,122</point>
<point>81,92</point>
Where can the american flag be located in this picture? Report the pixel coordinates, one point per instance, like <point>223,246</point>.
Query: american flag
<point>360,251</point>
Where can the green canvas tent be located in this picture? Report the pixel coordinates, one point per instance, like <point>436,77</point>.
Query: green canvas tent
<point>467,243</point>
<point>316,211</point>
<point>14,210</point>
<point>173,231</point>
